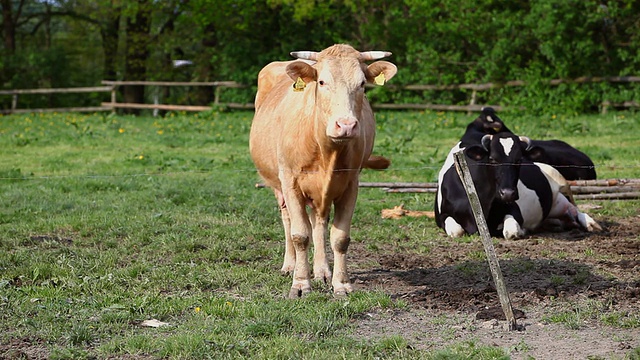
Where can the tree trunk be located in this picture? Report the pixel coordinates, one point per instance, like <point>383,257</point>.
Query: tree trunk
<point>8,27</point>
<point>137,52</point>
<point>109,31</point>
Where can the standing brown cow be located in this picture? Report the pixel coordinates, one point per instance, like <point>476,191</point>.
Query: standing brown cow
<point>312,133</point>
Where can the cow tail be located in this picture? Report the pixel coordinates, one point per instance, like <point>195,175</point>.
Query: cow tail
<point>377,162</point>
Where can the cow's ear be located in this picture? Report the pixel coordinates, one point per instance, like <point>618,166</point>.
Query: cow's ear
<point>301,70</point>
<point>380,72</point>
<point>476,152</point>
<point>535,153</point>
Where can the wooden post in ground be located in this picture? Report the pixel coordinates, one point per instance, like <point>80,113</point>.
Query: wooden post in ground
<point>14,102</point>
<point>113,98</point>
<point>494,265</point>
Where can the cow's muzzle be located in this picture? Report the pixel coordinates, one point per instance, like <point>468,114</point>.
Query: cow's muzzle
<point>344,128</point>
<point>508,195</point>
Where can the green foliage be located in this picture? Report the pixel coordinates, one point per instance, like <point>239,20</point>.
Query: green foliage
<point>433,42</point>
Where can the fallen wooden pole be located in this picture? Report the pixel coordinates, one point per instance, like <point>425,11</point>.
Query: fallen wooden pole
<point>603,182</point>
<point>608,196</point>
<point>603,189</point>
<point>410,190</point>
<point>483,229</point>
<point>399,184</point>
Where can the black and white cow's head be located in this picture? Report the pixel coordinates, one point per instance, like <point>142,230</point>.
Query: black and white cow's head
<point>486,123</point>
<point>497,162</point>
<point>489,122</point>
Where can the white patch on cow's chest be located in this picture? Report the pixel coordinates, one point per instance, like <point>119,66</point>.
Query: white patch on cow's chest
<point>507,145</point>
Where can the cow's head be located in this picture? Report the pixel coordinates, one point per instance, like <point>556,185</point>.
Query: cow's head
<point>338,78</point>
<point>498,160</point>
<point>488,122</point>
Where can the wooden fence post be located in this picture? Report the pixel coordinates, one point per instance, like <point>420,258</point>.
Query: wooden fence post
<point>113,98</point>
<point>474,97</point>
<point>216,96</point>
<point>483,229</point>
<point>14,102</point>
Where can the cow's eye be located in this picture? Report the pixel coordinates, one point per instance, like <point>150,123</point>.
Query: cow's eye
<point>362,84</point>
<point>321,82</point>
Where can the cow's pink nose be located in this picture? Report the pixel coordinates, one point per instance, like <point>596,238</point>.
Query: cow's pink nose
<point>346,127</point>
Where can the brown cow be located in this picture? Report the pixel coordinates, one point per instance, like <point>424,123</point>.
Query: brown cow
<point>312,133</point>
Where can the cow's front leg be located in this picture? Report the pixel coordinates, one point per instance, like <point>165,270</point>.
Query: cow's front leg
<point>452,228</point>
<point>511,228</point>
<point>340,239</point>
<point>319,219</point>
<point>300,239</point>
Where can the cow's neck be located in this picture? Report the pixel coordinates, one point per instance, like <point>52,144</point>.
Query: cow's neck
<point>486,189</point>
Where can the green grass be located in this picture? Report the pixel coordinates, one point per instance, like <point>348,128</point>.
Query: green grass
<point>106,221</point>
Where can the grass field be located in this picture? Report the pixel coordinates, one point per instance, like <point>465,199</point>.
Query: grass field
<point>107,221</point>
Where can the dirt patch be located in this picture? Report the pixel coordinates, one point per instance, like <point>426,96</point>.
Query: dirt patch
<point>452,298</point>
<point>23,348</point>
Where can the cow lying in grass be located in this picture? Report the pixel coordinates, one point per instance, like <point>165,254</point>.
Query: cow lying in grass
<point>515,193</point>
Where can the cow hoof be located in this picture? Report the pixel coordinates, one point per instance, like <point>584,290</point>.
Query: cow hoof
<point>299,288</point>
<point>286,273</point>
<point>452,228</point>
<point>588,222</point>
<point>287,268</point>
<point>342,290</point>
<point>340,294</point>
<point>511,229</point>
<point>298,293</point>
<point>322,275</point>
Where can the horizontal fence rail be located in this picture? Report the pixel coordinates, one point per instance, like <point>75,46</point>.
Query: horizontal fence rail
<point>601,189</point>
<point>219,86</point>
<point>93,89</point>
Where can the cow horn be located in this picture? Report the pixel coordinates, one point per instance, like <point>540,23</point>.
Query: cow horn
<point>527,141</point>
<point>486,140</point>
<point>306,55</point>
<point>374,55</point>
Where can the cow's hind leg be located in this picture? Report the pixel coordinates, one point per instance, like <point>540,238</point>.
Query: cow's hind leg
<point>289,252</point>
<point>587,222</point>
<point>563,209</point>
<point>319,219</point>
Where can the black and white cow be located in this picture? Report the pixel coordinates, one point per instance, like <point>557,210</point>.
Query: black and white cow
<point>572,163</point>
<point>515,193</point>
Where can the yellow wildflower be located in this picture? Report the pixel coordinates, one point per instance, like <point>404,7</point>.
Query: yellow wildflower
<point>121,130</point>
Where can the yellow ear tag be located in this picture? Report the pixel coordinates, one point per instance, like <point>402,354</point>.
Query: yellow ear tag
<point>299,85</point>
<point>380,79</point>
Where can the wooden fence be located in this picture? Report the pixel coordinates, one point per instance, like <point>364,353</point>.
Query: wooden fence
<point>15,93</point>
<point>112,87</point>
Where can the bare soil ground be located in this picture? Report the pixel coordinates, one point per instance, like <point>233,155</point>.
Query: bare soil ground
<point>452,298</point>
